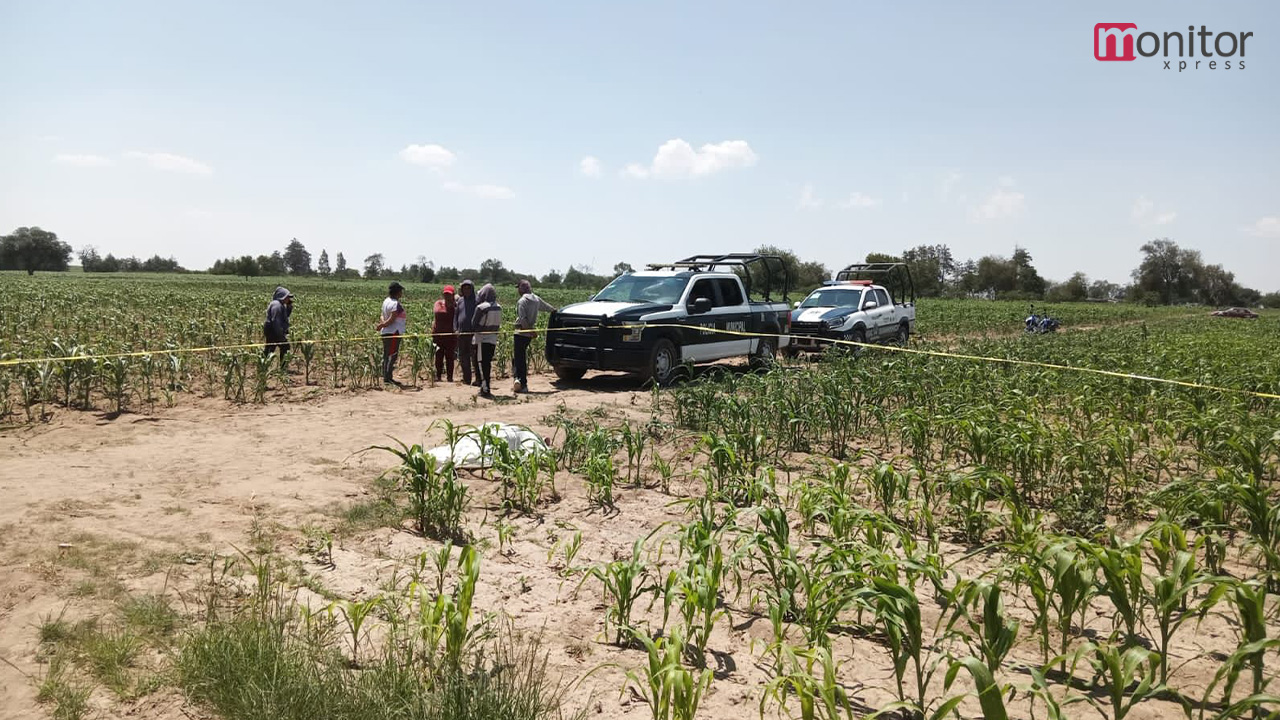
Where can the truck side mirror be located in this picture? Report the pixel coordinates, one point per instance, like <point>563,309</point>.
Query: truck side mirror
<point>796,304</point>
<point>700,305</point>
<point>870,305</point>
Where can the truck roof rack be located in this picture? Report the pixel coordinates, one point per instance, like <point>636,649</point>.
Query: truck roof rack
<point>774,271</point>
<point>895,276</point>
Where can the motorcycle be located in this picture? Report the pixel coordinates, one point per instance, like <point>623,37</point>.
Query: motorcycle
<point>1039,324</point>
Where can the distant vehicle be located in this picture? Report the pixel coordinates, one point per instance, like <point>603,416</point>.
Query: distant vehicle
<point>1039,324</point>
<point>688,301</point>
<point>1235,312</point>
<point>855,308</point>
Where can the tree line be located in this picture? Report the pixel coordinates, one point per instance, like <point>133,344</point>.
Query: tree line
<point>295,259</point>
<point>1167,274</point>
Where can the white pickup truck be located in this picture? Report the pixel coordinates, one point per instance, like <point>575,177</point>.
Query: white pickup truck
<point>654,321</point>
<point>854,307</point>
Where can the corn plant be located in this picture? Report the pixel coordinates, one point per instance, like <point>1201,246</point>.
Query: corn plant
<point>820,695</point>
<point>447,619</point>
<point>624,581</point>
<point>699,586</point>
<point>991,633</point>
<point>438,500</point>
<point>601,475</point>
<point>1128,677</point>
<point>898,617</point>
<point>1122,581</point>
<point>672,691</point>
<point>1171,591</point>
<point>355,613</point>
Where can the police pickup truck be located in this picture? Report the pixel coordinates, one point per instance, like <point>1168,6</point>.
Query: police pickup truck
<point>866,302</point>
<point>655,321</point>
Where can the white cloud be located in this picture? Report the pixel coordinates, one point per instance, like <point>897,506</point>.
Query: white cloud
<point>678,159</point>
<point>1144,213</point>
<point>1268,226</point>
<point>590,166</point>
<point>808,200</point>
<point>860,201</point>
<point>436,157</point>
<point>1002,203</point>
<point>81,160</point>
<point>949,182</point>
<point>489,192</point>
<point>169,162</point>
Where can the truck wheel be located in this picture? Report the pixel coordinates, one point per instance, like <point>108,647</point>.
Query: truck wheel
<point>904,334</point>
<point>766,354</point>
<point>664,361</point>
<point>858,335</point>
<point>570,374</point>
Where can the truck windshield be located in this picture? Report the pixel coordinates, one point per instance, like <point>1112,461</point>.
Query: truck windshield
<point>833,297</point>
<point>642,289</point>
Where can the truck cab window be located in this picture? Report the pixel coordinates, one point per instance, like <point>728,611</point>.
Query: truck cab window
<point>702,289</point>
<point>730,293</point>
<point>883,298</point>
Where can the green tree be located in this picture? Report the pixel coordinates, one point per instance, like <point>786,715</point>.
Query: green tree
<point>622,268</point>
<point>1167,273</point>
<point>296,258</point>
<point>802,276</point>
<point>931,267</point>
<point>373,265</point>
<point>272,264</point>
<point>492,270</point>
<point>245,266</point>
<point>1103,290</point>
<point>322,265</point>
<point>550,279</point>
<point>1027,282</point>
<point>32,249</point>
<point>1074,289</point>
<point>340,268</point>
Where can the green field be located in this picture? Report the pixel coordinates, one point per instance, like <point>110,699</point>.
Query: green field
<point>1039,537</point>
<point>57,315</point>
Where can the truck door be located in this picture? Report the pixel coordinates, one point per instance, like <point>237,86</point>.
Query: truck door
<point>735,316</point>
<point>703,341</point>
<point>886,316</point>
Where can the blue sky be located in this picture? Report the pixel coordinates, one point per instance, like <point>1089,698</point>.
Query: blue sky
<point>458,132</point>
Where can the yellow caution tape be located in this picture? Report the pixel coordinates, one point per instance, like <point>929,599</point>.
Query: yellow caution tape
<point>739,333</point>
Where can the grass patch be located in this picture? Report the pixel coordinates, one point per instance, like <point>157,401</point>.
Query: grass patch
<point>250,668</point>
<point>268,657</point>
<point>151,615</point>
<point>109,654</point>
<point>70,699</point>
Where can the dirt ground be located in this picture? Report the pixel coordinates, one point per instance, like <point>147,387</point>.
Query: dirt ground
<point>153,497</point>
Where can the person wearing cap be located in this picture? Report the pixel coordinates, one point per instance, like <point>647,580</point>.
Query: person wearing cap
<point>276,327</point>
<point>443,329</point>
<point>464,325</point>
<point>527,309</point>
<point>391,327</point>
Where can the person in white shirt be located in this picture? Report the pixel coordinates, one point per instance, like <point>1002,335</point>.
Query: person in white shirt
<point>392,326</point>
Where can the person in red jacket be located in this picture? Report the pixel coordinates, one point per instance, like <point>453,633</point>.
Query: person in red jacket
<point>443,329</point>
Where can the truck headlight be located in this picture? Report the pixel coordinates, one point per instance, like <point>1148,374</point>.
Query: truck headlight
<point>834,323</point>
<point>632,334</point>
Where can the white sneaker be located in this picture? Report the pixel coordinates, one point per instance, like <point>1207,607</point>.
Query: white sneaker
<point>515,386</point>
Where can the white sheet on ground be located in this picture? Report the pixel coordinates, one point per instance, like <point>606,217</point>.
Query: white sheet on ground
<point>468,453</point>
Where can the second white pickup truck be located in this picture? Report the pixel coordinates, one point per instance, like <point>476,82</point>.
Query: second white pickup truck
<point>854,307</point>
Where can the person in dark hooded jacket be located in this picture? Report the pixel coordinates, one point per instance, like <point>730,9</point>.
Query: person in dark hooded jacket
<point>276,327</point>
<point>468,357</point>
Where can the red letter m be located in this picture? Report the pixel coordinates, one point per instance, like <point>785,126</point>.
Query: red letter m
<point>1106,36</point>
